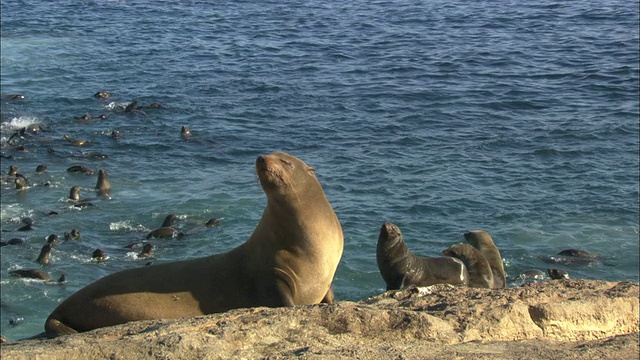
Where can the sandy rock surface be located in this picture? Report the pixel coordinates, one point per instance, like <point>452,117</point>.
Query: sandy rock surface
<point>568,319</point>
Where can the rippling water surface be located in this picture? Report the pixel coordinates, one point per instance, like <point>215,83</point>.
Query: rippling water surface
<point>514,117</point>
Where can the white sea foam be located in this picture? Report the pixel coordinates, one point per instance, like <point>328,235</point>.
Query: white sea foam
<point>127,226</point>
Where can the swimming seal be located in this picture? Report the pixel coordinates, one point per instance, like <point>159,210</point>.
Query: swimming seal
<point>578,254</point>
<point>102,95</point>
<point>482,241</point>
<point>146,251</point>
<point>43,258</point>
<point>31,274</point>
<point>81,169</point>
<point>185,132</point>
<point>98,255</point>
<point>289,259</point>
<point>102,185</point>
<point>400,268</point>
<point>480,274</point>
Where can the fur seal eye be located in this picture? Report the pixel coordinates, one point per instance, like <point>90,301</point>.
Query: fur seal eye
<point>287,162</point>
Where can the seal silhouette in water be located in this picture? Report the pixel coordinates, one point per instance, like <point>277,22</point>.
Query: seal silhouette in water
<point>400,268</point>
<point>289,259</point>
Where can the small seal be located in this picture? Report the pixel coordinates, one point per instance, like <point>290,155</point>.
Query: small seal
<point>102,185</point>
<point>41,168</point>
<point>102,95</point>
<point>482,241</point>
<point>52,239</point>
<point>31,274</point>
<point>98,255</point>
<point>480,273</point>
<point>164,232</point>
<point>289,259</point>
<point>76,142</point>
<point>21,183</point>
<point>14,241</point>
<point>43,258</point>
<point>557,274</point>
<point>185,132</point>
<point>169,220</point>
<point>400,268</point>
<point>578,254</point>
<point>212,222</point>
<point>146,251</point>
<point>533,274</point>
<point>80,169</point>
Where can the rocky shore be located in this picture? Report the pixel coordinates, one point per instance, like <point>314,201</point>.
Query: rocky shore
<point>561,319</point>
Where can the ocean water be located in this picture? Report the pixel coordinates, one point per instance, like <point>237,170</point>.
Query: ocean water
<point>519,118</point>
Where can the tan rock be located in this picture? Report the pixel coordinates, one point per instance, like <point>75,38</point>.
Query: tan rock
<point>559,319</point>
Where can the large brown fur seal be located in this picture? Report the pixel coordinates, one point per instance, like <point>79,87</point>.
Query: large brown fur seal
<point>290,259</point>
<point>480,274</point>
<point>400,268</point>
<point>482,241</point>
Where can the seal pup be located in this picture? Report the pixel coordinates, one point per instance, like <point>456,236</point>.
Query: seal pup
<point>98,255</point>
<point>400,268</point>
<point>43,258</point>
<point>76,142</point>
<point>212,222</point>
<point>13,170</point>
<point>578,254</point>
<point>80,169</point>
<point>169,220</point>
<point>164,232</point>
<point>74,195</point>
<point>41,168</point>
<point>480,273</point>
<point>557,274</point>
<point>185,132</point>
<point>482,241</point>
<point>102,95</point>
<point>31,274</point>
<point>146,251</point>
<point>14,241</point>
<point>21,183</point>
<point>574,257</point>
<point>289,259</point>
<point>102,185</point>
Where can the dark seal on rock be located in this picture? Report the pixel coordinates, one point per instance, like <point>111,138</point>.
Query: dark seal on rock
<point>480,274</point>
<point>482,241</point>
<point>400,268</point>
<point>557,274</point>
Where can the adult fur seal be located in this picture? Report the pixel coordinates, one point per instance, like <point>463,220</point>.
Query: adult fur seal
<point>480,274</point>
<point>290,259</point>
<point>482,241</point>
<point>400,268</point>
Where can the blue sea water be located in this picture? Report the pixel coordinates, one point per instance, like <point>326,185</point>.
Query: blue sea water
<point>519,118</point>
